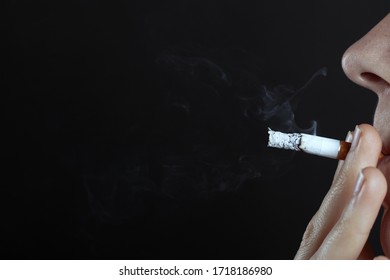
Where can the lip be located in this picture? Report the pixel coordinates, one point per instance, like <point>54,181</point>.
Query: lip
<point>385,150</point>
<point>386,155</point>
<point>383,163</point>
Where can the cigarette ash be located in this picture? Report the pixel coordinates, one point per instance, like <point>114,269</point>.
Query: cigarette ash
<point>288,141</point>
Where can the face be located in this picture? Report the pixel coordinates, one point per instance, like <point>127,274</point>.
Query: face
<point>367,63</point>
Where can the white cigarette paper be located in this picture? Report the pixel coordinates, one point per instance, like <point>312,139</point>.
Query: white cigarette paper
<point>311,144</point>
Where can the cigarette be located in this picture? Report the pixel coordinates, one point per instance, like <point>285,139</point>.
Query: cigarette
<point>311,144</point>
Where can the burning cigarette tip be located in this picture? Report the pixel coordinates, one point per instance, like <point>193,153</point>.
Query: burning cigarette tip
<point>288,141</point>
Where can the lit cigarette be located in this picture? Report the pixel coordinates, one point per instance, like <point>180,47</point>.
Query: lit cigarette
<point>311,144</point>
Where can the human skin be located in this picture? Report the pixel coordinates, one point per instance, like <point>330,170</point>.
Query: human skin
<point>340,228</point>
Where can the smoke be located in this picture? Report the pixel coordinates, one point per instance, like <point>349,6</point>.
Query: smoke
<point>127,119</point>
<point>276,106</point>
<point>204,132</point>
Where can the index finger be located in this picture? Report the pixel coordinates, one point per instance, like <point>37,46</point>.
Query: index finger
<point>366,147</point>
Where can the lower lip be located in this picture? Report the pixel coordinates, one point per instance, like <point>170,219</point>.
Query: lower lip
<point>384,160</point>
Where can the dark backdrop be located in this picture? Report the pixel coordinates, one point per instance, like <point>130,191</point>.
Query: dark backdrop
<point>137,129</point>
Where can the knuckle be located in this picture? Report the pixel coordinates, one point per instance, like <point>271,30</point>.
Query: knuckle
<point>311,233</point>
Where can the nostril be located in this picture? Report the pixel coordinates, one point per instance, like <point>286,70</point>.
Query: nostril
<point>374,82</point>
<point>371,78</point>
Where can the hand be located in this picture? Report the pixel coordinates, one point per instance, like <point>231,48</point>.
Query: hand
<point>340,228</point>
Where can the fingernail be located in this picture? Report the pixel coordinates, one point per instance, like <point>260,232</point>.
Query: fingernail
<point>349,137</point>
<point>358,184</point>
<point>356,138</point>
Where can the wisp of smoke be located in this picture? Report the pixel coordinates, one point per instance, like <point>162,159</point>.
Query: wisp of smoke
<point>208,135</point>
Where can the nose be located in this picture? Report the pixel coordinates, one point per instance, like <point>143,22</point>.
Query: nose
<point>367,62</point>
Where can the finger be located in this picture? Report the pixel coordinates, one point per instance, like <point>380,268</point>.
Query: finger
<point>341,162</point>
<point>364,152</point>
<point>348,236</point>
<point>367,252</point>
<point>381,258</point>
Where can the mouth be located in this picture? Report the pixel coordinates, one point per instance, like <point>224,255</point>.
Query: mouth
<point>384,157</point>
<point>386,149</point>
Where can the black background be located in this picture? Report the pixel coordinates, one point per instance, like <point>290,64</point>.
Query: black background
<point>92,119</point>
